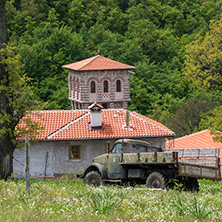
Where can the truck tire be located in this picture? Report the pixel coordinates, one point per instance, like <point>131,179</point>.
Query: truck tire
<point>93,178</point>
<point>156,180</point>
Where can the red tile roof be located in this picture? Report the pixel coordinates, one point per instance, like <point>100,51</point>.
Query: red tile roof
<point>199,140</point>
<point>73,125</point>
<point>97,63</point>
<point>51,120</point>
<point>202,139</point>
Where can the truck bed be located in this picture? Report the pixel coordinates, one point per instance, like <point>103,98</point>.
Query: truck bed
<point>171,159</point>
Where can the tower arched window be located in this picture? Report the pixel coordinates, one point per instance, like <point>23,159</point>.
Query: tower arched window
<point>118,86</point>
<point>77,85</point>
<point>93,87</point>
<point>105,86</point>
<point>70,82</point>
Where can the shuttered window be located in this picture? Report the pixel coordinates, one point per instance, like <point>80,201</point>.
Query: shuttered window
<point>74,152</point>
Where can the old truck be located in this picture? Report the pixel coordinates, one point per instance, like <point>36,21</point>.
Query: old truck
<point>137,162</point>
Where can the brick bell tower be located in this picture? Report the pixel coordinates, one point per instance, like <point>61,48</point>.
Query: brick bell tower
<point>99,79</point>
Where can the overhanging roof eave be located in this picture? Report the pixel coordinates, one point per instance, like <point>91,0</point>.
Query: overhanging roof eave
<point>88,70</point>
<point>99,138</point>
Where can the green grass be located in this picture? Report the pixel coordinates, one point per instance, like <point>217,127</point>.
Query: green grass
<point>66,200</point>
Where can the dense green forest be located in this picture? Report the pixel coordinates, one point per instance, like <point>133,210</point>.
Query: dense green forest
<point>176,46</point>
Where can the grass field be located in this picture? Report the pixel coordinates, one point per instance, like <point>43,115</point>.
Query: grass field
<point>65,200</point>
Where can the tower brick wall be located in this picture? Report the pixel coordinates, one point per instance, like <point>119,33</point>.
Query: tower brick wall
<point>80,86</point>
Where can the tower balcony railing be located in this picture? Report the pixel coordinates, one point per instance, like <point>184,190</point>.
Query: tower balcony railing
<point>93,97</point>
<point>106,96</point>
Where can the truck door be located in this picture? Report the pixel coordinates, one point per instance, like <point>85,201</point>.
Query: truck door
<point>114,169</point>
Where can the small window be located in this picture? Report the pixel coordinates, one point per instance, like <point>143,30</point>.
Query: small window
<point>118,86</point>
<point>117,148</point>
<point>105,86</point>
<point>105,105</point>
<point>93,87</point>
<point>74,152</point>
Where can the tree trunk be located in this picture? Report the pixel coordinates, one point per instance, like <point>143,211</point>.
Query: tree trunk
<point>6,112</point>
<point>6,158</point>
<point>3,24</point>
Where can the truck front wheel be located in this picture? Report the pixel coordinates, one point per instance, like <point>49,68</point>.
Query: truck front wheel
<point>93,178</point>
<point>156,180</point>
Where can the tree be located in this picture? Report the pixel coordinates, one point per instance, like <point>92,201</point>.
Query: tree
<point>15,97</point>
<point>189,115</point>
<point>16,100</point>
<point>214,123</point>
<point>6,144</point>
<point>43,57</point>
<point>204,59</point>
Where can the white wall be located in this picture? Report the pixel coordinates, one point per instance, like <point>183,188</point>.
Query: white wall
<point>58,156</point>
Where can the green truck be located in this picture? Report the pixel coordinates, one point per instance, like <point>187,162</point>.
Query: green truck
<point>137,162</point>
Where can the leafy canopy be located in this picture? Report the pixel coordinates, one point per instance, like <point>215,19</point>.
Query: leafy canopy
<point>204,59</point>
<point>18,91</point>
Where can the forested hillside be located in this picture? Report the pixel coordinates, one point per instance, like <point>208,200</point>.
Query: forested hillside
<point>176,46</point>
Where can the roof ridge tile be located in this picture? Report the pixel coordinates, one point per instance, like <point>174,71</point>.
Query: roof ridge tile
<point>92,59</point>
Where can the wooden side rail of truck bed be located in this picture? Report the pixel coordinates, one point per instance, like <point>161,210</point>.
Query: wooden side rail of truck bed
<point>166,156</point>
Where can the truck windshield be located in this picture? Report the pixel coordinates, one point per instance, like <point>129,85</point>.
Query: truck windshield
<point>117,148</point>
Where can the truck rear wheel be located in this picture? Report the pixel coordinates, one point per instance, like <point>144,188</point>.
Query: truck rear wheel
<point>156,180</point>
<point>192,185</point>
<point>93,178</point>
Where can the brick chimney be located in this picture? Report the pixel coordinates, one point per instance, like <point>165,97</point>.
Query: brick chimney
<point>95,116</point>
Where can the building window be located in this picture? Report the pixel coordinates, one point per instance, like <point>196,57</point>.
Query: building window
<point>77,85</point>
<point>74,152</point>
<point>92,87</point>
<point>105,86</point>
<point>70,82</point>
<point>118,86</point>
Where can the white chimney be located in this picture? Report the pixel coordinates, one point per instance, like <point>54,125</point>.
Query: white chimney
<point>95,115</point>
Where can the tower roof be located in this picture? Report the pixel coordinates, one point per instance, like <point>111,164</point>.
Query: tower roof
<point>97,63</point>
